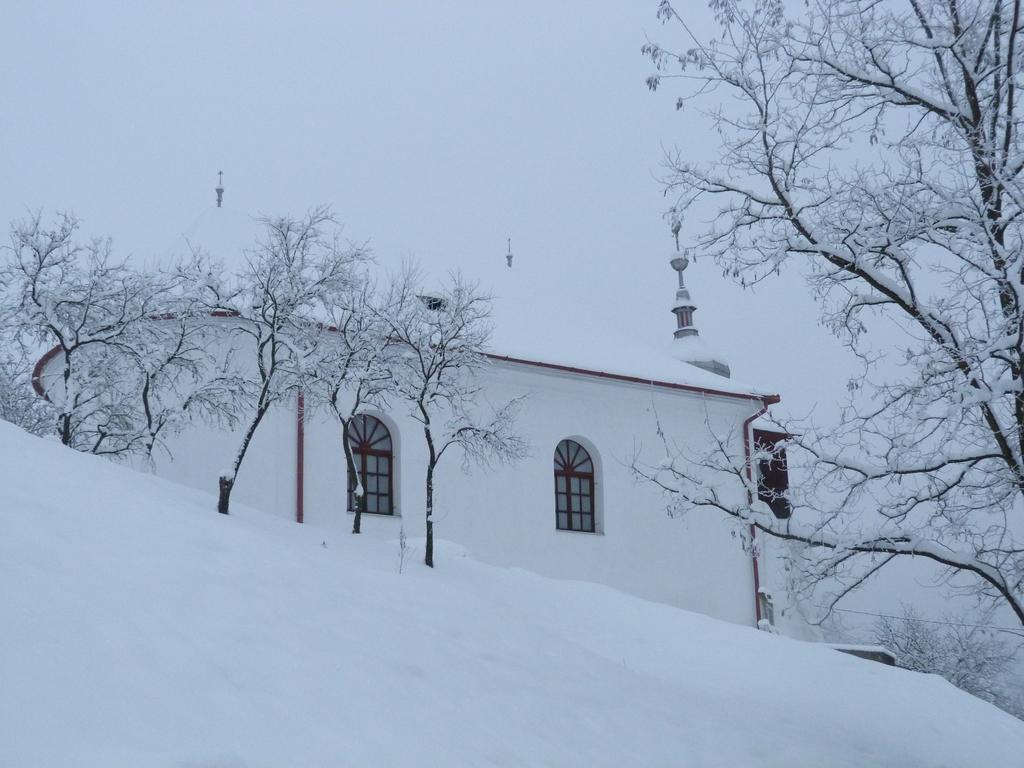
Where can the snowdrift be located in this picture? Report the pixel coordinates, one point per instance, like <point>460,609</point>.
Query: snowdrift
<point>140,628</point>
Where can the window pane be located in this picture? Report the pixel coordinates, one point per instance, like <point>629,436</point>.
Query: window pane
<point>371,463</point>
<point>562,521</point>
<point>371,503</point>
<point>561,501</point>
<point>575,485</point>
<point>560,456</point>
<point>384,464</point>
<point>586,466</point>
<point>585,501</point>
<point>588,523</point>
<point>384,505</point>
<point>560,484</point>
<point>584,485</point>
<point>371,483</point>
<point>382,484</point>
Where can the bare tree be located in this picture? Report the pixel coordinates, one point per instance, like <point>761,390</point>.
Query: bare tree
<point>278,307</point>
<point>133,353</point>
<point>93,311</point>
<point>974,657</point>
<point>179,378</point>
<point>19,404</point>
<point>877,146</point>
<point>440,340</point>
<point>353,369</point>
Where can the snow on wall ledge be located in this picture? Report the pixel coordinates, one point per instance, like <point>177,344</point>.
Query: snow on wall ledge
<point>143,629</point>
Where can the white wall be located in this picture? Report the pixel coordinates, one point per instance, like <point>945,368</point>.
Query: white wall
<point>267,477</point>
<point>506,515</point>
<point>199,455</point>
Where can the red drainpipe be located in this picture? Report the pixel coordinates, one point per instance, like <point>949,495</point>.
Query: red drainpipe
<point>765,403</point>
<point>300,449</point>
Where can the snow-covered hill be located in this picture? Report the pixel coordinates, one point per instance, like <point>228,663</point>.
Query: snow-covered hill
<point>142,629</point>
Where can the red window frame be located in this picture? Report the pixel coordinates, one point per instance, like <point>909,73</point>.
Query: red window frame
<point>374,460</point>
<point>575,509</point>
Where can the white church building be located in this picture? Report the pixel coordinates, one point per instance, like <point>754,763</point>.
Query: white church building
<point>573,508</point>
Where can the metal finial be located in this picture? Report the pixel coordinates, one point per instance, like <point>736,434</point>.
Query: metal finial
<point>508,256</point>
<point>220,188</point>
<point>679,263</point>
<point>684,307</point>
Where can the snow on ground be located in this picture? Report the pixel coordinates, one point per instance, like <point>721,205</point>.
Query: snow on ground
<point>143,629</point>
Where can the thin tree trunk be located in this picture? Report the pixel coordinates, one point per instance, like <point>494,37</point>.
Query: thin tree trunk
<point>353,472</point>
<point>226,484</point>
<point>65,417</point>
<point>224,496</point>
<point>429,557</point>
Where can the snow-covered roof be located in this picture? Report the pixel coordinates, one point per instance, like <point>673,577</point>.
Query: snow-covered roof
<point>221,232</point>
<point>539,314</point>
<point>693,349</point>
<point>868,648</point>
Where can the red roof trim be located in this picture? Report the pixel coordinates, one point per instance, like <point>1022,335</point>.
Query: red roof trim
<point>37,372</point>
<point>300,452</point>
<point>766,399</point>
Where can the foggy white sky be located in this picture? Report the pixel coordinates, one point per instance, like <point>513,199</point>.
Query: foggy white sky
<point>435,130</point>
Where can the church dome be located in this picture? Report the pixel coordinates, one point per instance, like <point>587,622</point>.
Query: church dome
<point>223,234</point>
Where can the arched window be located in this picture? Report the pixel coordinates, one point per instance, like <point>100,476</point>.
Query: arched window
<point>574,488</point>
<point>373,459</point>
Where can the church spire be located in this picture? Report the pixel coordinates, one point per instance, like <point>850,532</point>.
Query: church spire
<point>220,188</point>
<point>684,307</point>
<point>688,346</point>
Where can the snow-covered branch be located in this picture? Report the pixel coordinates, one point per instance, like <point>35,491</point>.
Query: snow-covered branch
<point>278,309</point>
<point>440,338</point>
<point>876,146</point>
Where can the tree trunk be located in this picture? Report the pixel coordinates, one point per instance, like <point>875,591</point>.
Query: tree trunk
<point>65,429</point>
<point>353,472</point>
<point>227,483</point>
<point>429,556</point>
<point>357,517</point>
<point>224,497</point>
<point>65,416</point>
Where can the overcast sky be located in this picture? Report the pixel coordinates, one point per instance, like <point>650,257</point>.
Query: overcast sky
<point>434,129</point>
